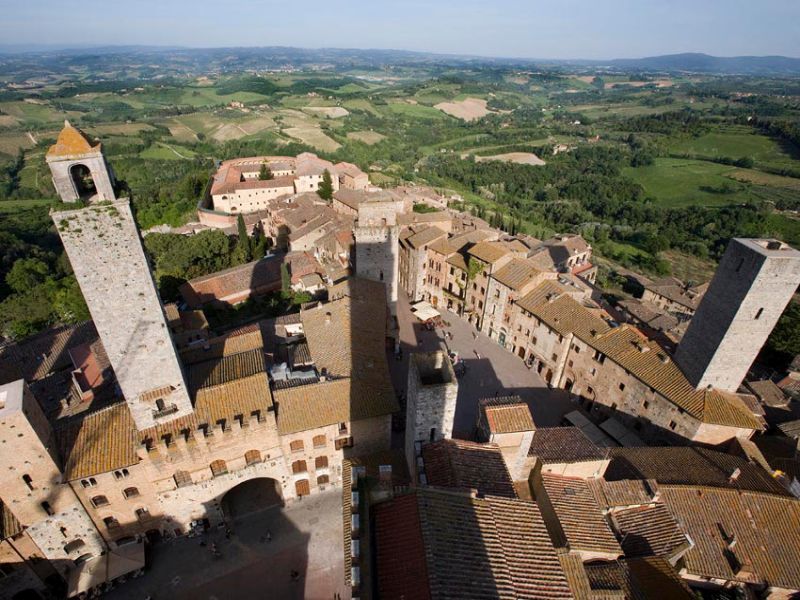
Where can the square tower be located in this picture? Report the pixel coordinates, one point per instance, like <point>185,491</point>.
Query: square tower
<point>106,253</point>
<point>377,244</point>
<point>430,403</point>
<point>79,168</point>
<point>754,282</point>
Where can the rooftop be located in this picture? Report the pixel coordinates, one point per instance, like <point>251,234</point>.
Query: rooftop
<point>564,445</point>
<point>508,414</point>
<point>72,142</point>
<point>517,274</point>
<point>489,252</point>
<point>467,466</point>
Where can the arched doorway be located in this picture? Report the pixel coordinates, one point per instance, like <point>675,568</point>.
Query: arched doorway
<point>251,496</point>
<point>83,181</point>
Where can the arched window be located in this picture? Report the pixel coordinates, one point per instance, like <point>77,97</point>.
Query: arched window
<point>320,441</point>
<point>323,479</point>
<point>182,478</point>
<point>296,446</point>
<point>130,492</point>
<point>142,513</point>
<point>111,522</point>
<point>299,466</point>
<point>218,467</point>
<point>252,457</point>
<point>321,462</point>
<point>99,501</point>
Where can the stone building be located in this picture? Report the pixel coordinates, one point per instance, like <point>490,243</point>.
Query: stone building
<point>430,402</point>
<point>674,296</point>
<point>752,285</point>
<point>79,168</point>
<point>376,233</point>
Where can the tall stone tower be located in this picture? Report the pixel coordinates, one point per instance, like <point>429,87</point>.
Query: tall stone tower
<point>430,402</point>
<point>79,169</point>
<point>377,244</point>
<point>753,284</point>
<point>106,253</point>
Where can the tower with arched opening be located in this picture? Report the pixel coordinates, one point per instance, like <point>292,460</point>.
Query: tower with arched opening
<point>79,168</point>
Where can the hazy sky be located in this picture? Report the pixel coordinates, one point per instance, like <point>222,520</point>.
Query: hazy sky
<point>511,28</point>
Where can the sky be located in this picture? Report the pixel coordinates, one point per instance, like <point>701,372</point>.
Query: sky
<point>590,29</point>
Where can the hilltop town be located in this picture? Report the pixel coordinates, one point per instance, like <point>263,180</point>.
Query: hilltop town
<point>449,411</point>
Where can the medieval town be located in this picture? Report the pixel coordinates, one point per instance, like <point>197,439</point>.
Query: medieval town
<point>454,412</point>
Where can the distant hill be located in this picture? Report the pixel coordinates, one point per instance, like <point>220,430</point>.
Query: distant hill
<point>703,63</point>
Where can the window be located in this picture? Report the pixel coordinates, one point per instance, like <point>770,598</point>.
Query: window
<point>599,356</point>
<point>182,478</point>
<point>47,508</point>
<point>645,404</point>
<point>28,481</point>
<point>302,487</point>
<point>320,441</point>
<point>342,428</point>
<point>759,313</point>
<point>323,479</point>
<point>534,340</point>
<point>299,466</point>
<point>99,501</point>
<point>87,483</point>
<point>345,442</point>
<point>111,522</point>
<point>554,357</point>
<point>613,407</point>
<point>621,387</point>
<point>570,363</point>
<point>252,457</point>
<point>130,492</point>
<point>218,467</point>
<point>673,425</point>
<point>296,446</point>
<point>142,513</point>
<point>121,474</point>
<point>321,462</point>
<point>590,391</point>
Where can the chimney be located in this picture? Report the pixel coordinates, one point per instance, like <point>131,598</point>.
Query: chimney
<point>327,318</point>
<point>735,475</point>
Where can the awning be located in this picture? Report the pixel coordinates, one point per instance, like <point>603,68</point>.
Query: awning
<point>425,312</point>
<point>100,569</point>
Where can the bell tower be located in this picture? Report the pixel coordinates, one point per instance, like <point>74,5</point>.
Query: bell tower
<point>79,168</point>
<point>105,249</point>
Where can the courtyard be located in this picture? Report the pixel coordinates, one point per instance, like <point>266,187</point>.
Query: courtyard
<point>490,370</point>
<point>255,561</point>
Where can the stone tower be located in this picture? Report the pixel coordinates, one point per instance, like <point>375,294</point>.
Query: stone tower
<point>79,169</point>
<point>753,284</point>
<point>377,244</point>
<point>430,402</point>
<point>106,253</point>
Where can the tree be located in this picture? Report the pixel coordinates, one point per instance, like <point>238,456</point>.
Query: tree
<point>242,253</point>
<point>325,189</point>
<point>265,173</point>
<point>26,274</point>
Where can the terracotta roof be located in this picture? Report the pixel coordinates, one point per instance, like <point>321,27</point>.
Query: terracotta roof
<point>636,579</point>
<point>564,445</point>
<point>9,525</point>
<point>765,528</point>
<point>613,494</point>
<point>649,530</point>
<point>489,252</point>
<point>465,548</point>
<point>468,466</point>
<point>676,291</point>
<point>508,414</point>
<point>254,277</point>
<point>539,295</point>
<point>458,261</point>
<point>768,393</point>
<point>100,442</point>
<point>71,142</point>
<point>517,274</point>
<point>699,466</point>
<point>579,515</point>
<point>228,368</point>
<point>232,343</point>
<point>426,236</point>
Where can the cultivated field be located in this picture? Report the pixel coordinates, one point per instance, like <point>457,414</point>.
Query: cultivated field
<point>366,137</point>
<point>468,109</point>
<point>520,158</point>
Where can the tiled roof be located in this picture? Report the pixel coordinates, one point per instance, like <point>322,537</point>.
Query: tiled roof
<point>508,414</point>
<point>465,548</point>
<point>765,528</point>
<point>9,526</point>
<point>539,295</point>
<point>99,443</point>
<point>489,252</point>
<point>563,445</point>
<point>426,236</point>
<point>676,291</point>
<point>71,141</point>
<point>698,466</point>
<point>612,494</point>
<point>579,515</point>
<point>261,275</point>
<point>647,361</point>
<point>223,346</point>
<point>649,530</point>
<point>37,356</point>
<point>458,261</point>
<point>516,274</point>
<point>636,579</point>
<point>768,393</point>
<point>228,368</point>
<point>327,403</point>
<point>467,466</point>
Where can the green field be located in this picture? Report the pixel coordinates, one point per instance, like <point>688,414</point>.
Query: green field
<point>737,142</point>
<point>416,111</point>
<point>9,206</point>
<point>677,182</point>
<point>160,151</point>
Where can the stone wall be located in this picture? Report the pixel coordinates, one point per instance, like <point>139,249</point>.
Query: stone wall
<point>377,258</point>
<point>105,250</point>
<point>102,176</point>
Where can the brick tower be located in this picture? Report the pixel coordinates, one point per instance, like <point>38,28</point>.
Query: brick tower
<point>106,253</point>
<point>79,169</point>
<point>753,284</point>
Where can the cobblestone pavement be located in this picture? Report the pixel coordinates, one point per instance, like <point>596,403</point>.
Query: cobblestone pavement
<point>491,370</point>
<point>305,537</point>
